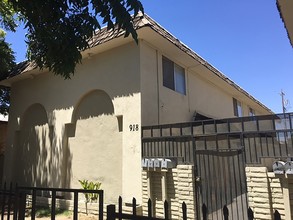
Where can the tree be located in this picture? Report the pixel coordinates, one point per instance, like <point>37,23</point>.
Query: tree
<point>7,61</point>
<point>58,30</point>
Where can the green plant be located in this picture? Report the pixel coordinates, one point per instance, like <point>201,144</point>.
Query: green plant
<point>90,185</point>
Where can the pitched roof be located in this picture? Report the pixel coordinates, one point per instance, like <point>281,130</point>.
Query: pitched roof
<point>285,8</point>
<point>104,35</point>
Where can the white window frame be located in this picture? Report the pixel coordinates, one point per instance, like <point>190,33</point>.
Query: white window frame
<point>178,77</point>
<point>237,106</point>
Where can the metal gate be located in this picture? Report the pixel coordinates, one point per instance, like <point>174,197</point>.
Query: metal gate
<point>221,185</point>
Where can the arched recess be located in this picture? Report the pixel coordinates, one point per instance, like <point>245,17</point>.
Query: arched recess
<point>33,152</point>
<point>96,144</point>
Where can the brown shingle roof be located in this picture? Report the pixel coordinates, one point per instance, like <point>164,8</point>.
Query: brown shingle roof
<point>104,35</point>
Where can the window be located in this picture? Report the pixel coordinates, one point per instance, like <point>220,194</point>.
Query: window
<point>237,108</point>
<point>251,112</point>
<point>173,76</point>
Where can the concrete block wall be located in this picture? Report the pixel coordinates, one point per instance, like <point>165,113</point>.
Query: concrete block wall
<point>267,192</point>
<point>180,187</point>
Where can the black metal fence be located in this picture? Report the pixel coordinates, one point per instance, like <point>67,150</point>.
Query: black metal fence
<point>112,214</point>
<point>258,136</point>
<point>220,149</point>
<point>14,200</point>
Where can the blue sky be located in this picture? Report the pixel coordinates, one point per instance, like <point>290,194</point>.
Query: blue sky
<point>245,40</point>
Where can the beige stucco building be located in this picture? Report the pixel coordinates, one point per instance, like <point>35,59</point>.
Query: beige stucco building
<point>88,127</point>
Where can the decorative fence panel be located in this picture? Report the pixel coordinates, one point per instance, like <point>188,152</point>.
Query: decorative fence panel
<point>112,214</point>
<point>14,200</point>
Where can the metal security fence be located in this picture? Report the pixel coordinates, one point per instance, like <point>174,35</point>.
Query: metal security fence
<point>259,136</point>
<point>16,202</point>
<point>220,149</point>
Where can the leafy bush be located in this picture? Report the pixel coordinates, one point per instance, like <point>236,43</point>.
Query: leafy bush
<point>90,185</point>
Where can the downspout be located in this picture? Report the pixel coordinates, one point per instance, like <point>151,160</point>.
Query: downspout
<point>158,87</point>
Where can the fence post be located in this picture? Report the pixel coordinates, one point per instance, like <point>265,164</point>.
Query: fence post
<point>22,205</point>
<point>53,205</point>
<point>9,201</point>
<point>3,201</point>
<point>250,214</point>
<point>277,215</point>
<point>120,207</point>
<point>204,210</point>
<point>149,208</point>
<point>134,206</point>
<point>110,212</point>
<point>225,212</point>
<point>75,206</point>
<point>166,208</point>
<point>184,211</point>
<point>16,202</point>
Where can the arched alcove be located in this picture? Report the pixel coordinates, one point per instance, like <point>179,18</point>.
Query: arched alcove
<point>94,103</point>
<point>33,152</point>
<point>96,144</point>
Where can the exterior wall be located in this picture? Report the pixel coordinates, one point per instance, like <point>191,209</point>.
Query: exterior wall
<point>3,136</point>
<point>161,105</point>
<point>62,138</point>
<point>268,192</point>
<point>180,187</point>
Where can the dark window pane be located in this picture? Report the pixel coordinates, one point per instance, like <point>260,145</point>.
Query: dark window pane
<point>235,107</point>
<point>168,73</point>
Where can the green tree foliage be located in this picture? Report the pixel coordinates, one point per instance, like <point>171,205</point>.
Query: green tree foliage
<point>7,62</point>
<point>58,30</point>
<point>7,59</point>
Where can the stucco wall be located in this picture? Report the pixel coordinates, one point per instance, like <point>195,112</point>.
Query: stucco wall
<point>116,73</point>
<point>161,105</point>
<point>3,135</point>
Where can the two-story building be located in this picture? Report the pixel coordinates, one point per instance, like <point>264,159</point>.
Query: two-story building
<point>89,127</point>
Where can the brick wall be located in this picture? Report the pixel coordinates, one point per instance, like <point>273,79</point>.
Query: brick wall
<point>268,192</point>
<point>179,188</point>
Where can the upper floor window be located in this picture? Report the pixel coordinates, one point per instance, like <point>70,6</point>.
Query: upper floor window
<point>237,108</point>
<point>251,112</point>
<point>173,76</point>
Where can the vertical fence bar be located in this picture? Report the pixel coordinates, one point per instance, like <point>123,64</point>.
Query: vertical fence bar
<point>101,203</point>
<point>34,197</point>
<point>226,212</point>
<point>3,201</point>
<point>166,210</point>
<point>134,207</point>
<point>120,207</point>
<point>75,207</point>
<point>110,212</point>
<point>53,205</point>
<point>22,205</point>
<point>204,210</point>
<point>9,201</point>
<point>250,214</point>
<point>16,203</point>
<point>149,208</point>
<point>277,215</point>
<point>184,211</point>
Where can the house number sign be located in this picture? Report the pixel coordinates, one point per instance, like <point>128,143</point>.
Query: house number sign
<point>133,127</point>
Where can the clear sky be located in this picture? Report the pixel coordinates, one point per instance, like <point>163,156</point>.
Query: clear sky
<point>245,40</point>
